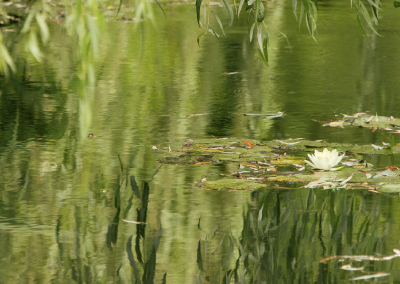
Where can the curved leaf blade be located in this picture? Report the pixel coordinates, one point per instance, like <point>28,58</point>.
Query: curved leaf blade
<point>198,6</point>
<point>219,22</point>
<point>252,31</point>
<point>230,11</point>
<point>240,7</point>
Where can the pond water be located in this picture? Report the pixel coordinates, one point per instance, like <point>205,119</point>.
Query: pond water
<point>79,162</point>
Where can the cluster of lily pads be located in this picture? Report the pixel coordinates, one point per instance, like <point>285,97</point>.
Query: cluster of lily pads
<point>250,165</point>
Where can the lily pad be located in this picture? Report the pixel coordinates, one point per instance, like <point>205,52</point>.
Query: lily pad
<point>229,183</point>
<point>370,121</point>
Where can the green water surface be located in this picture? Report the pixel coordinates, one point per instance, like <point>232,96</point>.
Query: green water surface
<point>77,159</point>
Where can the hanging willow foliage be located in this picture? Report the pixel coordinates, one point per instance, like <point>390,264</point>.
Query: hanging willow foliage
<point>84,20</point>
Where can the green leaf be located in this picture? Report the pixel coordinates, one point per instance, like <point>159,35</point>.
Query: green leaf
<point>119,7</point>
<point>28,21</point>
<point>375,15</point>
<point>219,22</point>
<point>294,4</point>
<point>44,30</point>
<point>240,7</point>
<point>372,3</point>
<point>256,13</point>
<point>198,6</point>
<point>362,28</point>
<point>261,13</point>
<point>211,31</point>
<point>264,56</point>
<point>252,31</point>
<point>198,38</point>
<point>396,4</point>
<point>160,7</point>
<point>5,57</point>
<point>366,17</point>
<point>263,44</point>
<point>230,11</point>
<point>199,257</point>
<point>259,37</point>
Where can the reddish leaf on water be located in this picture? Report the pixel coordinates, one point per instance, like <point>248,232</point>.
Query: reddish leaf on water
<point>248,143</point>
<point>392,168</point>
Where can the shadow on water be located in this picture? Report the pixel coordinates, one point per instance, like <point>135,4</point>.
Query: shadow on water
<point>305,236</point>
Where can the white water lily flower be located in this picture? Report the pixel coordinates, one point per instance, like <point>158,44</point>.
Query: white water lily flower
<point>324,160</point>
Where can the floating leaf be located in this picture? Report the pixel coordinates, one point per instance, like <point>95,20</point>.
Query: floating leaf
<point>248,143</point>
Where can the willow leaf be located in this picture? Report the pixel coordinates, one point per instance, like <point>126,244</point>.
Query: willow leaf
<point>261,12</point>
<point>160,7</point>
<point>252,31</point>
<point>219,22</point>
<point>362,28</point>
<point>199,257</point>
<point>264,59</point>
<point>375,15</point>
<point>367,18</point>
<point>372,3</point>
<point>119,7</point>
<point>198,6</point>
<point>230,11</point>
<point>256,13</point>
<point>294,4</point>
<point>259,37</point>
<point>262,51</point>
<point>198,38</point>
<point>240,7</point>
<point>44,30</point>
<point>265,50</point>
<point>214,33</point>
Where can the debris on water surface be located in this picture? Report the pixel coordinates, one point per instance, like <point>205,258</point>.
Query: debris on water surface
<point>370,276</point>
<point>351,268</point>
<point>376,147</point>
<point>338,123</point>
<point>362,257</point>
